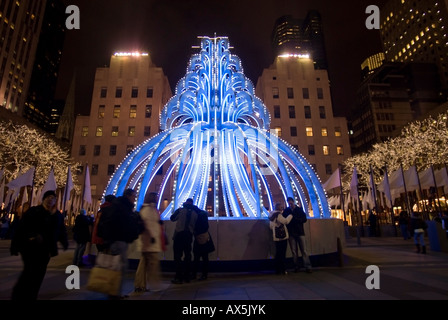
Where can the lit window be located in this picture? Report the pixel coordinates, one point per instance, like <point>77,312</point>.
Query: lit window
<point>117,111</point>
<point>84,131</point>
<point>101,112</point>
<point>133,111</point>
<point>309,131</point>
<point>337,132</point>
<point>114,131</point>
<point>278,131</point>
<point>339,150</point>
<point>326,150</point>
<point>131,131</point>
<point>99,131</point>
<point>148,111</point>
<point>324,132</point>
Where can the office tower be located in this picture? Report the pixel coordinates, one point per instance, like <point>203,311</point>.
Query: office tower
<point>126,102</point>
<point>388,99</point>
<point>300,36</point>
<point>298,98</point>
<point>416,31</point>
<point>20,27</point>
<point>40,107</point>
<point>369,65</point>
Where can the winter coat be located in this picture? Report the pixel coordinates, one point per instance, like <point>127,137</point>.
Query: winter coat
<point>151,238</point>
<point>277,222</point>
<point>39,229</point>
<point>295,227</point>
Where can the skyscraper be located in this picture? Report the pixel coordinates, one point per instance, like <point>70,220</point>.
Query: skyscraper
<point>20,27</point>
<point>416,31</point>
<point>300,36</point>
<point>40,107</point>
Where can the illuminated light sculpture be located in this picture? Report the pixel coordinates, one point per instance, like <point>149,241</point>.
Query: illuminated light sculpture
<point>216,147</point>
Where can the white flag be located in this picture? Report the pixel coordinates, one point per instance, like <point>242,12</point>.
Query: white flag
<point>441,177</point>
<point>25,179</point>
<point>411,179</point>
<point>87,196</point>
<point>333,182</point>
<point>2,192</point>
<point>50,184</point>
<point>68,188</point>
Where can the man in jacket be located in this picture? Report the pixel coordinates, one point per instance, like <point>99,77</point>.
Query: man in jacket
<point>185,218</point>
<point>297,234</point>
<point>116,227</point>
<point>81,235</point>
<point>36,238</point>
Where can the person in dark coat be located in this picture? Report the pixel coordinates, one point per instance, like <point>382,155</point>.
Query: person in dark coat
<point>116,227</point>
<point>81,235</point>
<point>185,218</point>
<point>36,239</point>
<point>297,234</point>
<point>202,245</point>
<point>96,239</point>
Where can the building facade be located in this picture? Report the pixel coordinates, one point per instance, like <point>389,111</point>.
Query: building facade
<point>300,36</point>
<point>20,27</point>
<point>299,100</point>
<point>390,98</point>
<point>126,102</point>
<point>416,31</point>
<point>40,106</point>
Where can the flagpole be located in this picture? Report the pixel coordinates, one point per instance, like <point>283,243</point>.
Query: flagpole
<point>373,189</point>
<point>421,192</point>
<point>437,189</point>
<point>342,193</point>
<point>392,215</point>
<point>64,199</point>
<point>405,191</point>
<point>359,212</point>
<point>32,186</point>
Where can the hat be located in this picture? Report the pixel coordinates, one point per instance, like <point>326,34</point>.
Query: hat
<point>48,193</point>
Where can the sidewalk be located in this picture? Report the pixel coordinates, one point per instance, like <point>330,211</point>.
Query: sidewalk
<point>404,275</point>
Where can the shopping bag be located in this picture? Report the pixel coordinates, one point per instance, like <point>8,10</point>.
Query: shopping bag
<point>105,276</point>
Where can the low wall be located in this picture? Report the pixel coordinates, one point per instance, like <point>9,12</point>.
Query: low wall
<point>251,239</point>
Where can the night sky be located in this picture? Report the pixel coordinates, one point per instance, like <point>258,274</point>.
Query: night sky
<point>167,29</point>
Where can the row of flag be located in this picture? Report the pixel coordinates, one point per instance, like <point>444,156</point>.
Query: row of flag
<point>67,199</point>
<point>399,181</point>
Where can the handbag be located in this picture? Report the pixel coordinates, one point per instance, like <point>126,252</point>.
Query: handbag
<point>280,231</point>
<point>105,276</point>
<point>202,238</point>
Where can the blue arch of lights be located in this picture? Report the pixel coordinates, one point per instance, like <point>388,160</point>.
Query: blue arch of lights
<point>215,147</point>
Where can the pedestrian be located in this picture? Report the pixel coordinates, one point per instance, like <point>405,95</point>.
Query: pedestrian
<point>96,239</point>
<point>116,227</point>
<point>445,222</point>
<point>4,225</point>
<point>419,226</point>
<point>150,243</point>
<point>81,235</point>
<point>36,239</point>
<point>280,236</point>
<point>203,245</point>
<point>403,221</point>
<point>372,222</point>
<point>297,234</point>
<point>185,218</point>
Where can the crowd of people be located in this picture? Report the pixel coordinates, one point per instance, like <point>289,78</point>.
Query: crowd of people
<point>117,224</point>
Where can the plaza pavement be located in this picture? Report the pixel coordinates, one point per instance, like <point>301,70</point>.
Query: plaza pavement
<point>404,275</point>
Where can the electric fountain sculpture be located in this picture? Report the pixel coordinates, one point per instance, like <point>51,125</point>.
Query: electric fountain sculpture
<point>216,147</point>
